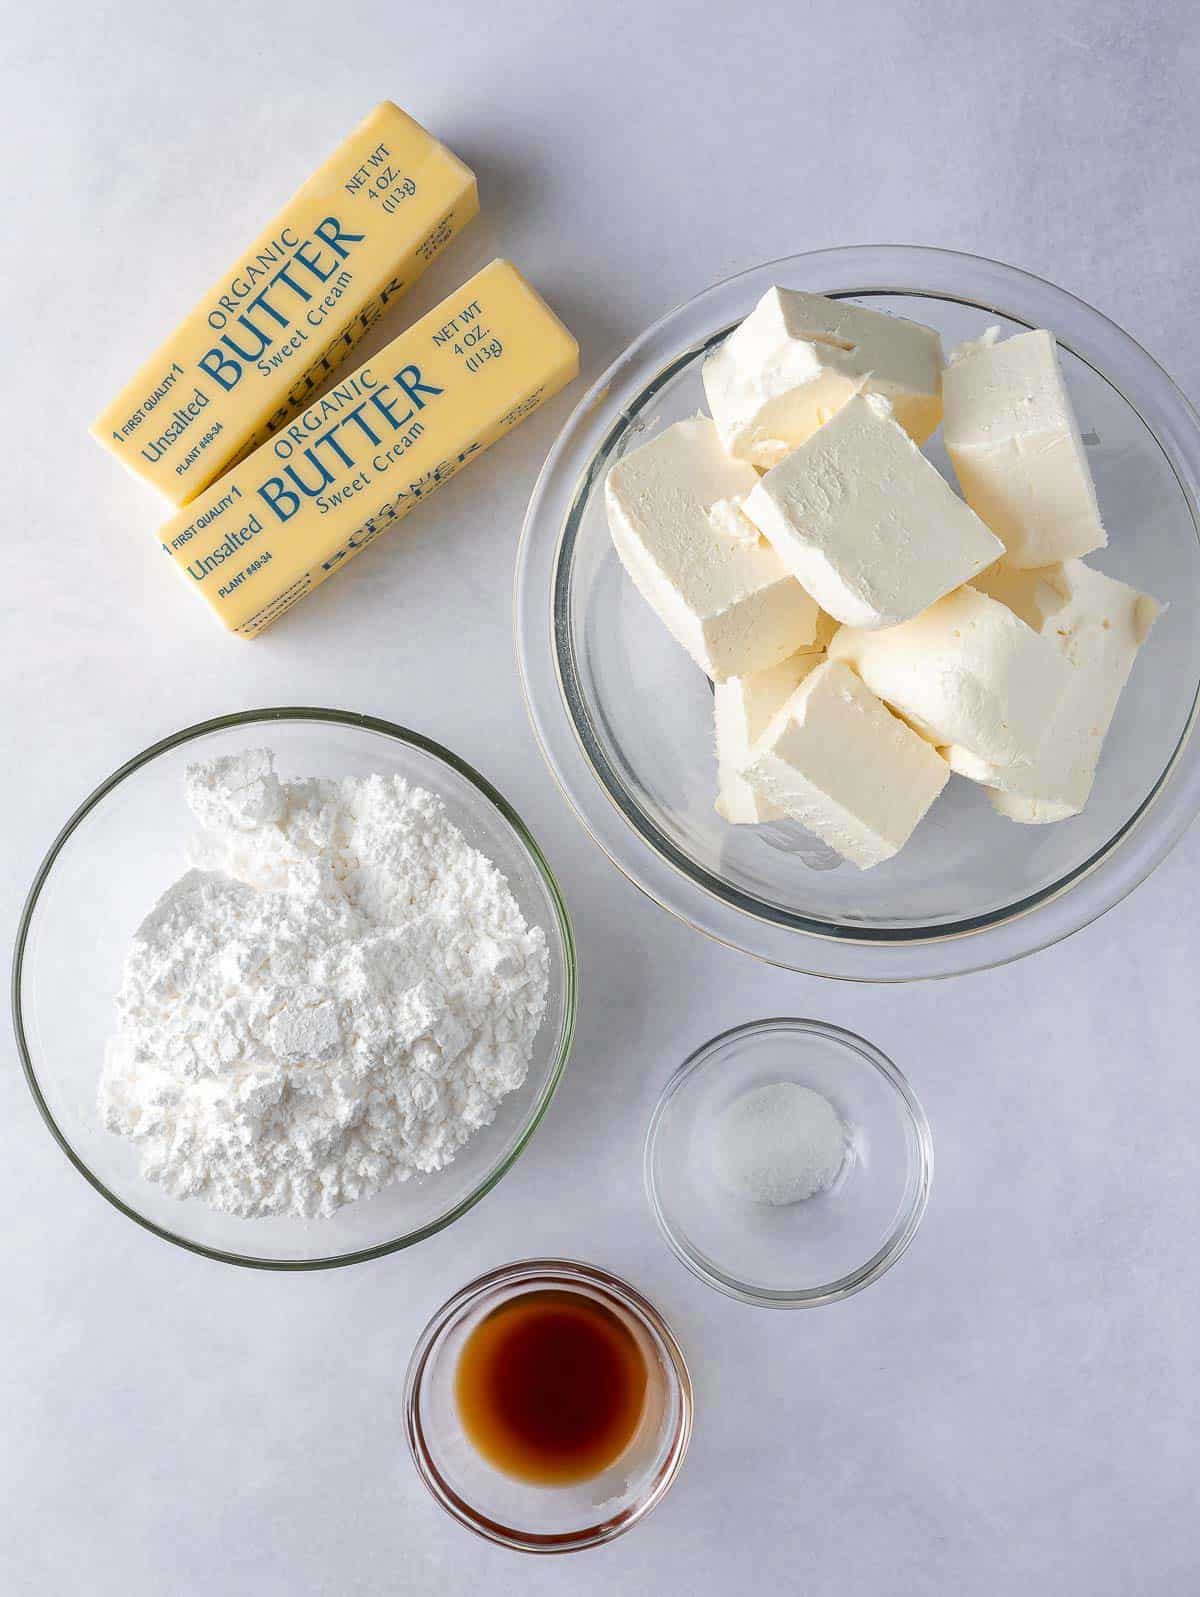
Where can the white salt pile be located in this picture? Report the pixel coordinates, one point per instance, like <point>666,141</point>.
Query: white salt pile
<point>779,1144</point>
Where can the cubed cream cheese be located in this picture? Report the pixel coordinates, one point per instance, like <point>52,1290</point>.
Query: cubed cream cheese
<point>839,762</point>
<point>865,523</point>
<point>1011,433</point>
<point>1099,624</point>
<point>796,360</point>
<point>966,671</point>
<point>719,588</point>
<point>742,710</point>
<point>827,625</point>
<point>1029,594</point>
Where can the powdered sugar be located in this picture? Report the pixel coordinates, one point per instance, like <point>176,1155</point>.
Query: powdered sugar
<point>335,997</point>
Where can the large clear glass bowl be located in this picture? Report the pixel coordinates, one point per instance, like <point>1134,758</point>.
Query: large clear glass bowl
<point>112,860</point>
<point>625,719</point>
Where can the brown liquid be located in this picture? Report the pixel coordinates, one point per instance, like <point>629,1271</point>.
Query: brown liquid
<point>551,1386</point>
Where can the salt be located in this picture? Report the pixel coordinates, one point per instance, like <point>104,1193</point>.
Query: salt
<point>779,1144</point>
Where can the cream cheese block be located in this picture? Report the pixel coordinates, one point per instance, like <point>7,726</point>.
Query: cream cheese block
<point>827,625</point>
<point>966,671</point>
<point>742,710</point>
<point>1012,435</point>
<point>1029,594</point>
<point>865,523</point>
<point>796,360</point>
<point>839,762</point>
<point>1099,624</point>
<point>724,594</point>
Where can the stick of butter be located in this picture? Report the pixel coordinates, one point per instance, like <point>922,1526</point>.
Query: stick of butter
<point>269,333</point>
<point>382,439</point>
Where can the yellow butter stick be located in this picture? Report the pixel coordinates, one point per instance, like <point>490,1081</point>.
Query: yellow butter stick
<point>367,452</point>
<point>270,332</point>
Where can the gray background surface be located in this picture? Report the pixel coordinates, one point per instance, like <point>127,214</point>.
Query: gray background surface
<point>1015,1407</point>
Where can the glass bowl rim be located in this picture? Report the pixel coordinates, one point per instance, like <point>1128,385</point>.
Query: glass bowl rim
<point>1037,921</point>
<point>554,1272</point>
<point>908,1222</point>
<point>358,722</point>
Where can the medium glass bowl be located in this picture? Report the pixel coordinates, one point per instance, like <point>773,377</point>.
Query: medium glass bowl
<point>625,719</point>
<point>112,860</point>
<point>517,1513</point>
<point>823,1248</point>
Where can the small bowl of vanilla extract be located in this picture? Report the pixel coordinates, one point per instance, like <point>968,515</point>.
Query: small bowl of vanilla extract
<point>548,1406</point>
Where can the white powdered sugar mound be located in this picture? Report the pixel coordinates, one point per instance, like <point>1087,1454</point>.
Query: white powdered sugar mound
<point>335,998</point>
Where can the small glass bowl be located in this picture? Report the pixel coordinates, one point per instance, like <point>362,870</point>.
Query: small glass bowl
<point>826,1247</point>
<point>103,874</point>
<point>521,1514</point>
<point>624,718</point>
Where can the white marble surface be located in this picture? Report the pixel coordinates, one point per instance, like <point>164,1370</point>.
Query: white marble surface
<point>1015,1407</point>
